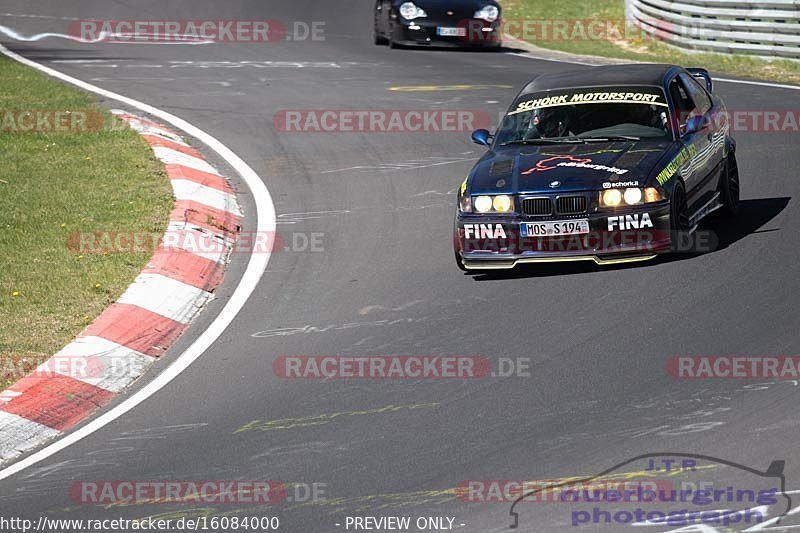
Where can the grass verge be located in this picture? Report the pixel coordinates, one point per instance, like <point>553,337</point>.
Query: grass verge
<point>53,185</point>
<point>631,44</point>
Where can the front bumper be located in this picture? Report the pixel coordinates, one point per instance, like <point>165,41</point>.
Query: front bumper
<point>423,32</point>
<point>620,236</point>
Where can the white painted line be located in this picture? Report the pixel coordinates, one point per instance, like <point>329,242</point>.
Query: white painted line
<point>99,362</point>
<point>19,435</point>
<point>162,135</point>
<point>759,83</point>
<point>165,296</point>
<point>193,191</point>
<point>529,55</point>
<point>142,126</point>
<point>265,222</point>
<point>173,157</point>
<point>102,37</point>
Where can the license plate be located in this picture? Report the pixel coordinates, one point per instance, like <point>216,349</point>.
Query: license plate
<point>556,227</point>
<point>451,32</point>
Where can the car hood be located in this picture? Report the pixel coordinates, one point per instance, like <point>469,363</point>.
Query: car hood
<point>581,167</point>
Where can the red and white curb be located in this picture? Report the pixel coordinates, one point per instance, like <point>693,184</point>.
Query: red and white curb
<point>117,348</point>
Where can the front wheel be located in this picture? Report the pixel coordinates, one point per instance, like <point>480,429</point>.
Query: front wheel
<point>377,38</point>
<point>390,38</point>
<point>729,188</point>
<point>459,261</point>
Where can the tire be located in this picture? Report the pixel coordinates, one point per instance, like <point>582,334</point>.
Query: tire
<point>459,262</point>
<point>679,219</point>
<point>377,38</point>
<point>729,188</point>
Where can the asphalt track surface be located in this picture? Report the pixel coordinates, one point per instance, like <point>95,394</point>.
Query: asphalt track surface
<point>385,283</point>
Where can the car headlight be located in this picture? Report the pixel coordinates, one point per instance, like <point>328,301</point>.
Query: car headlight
<point>651,194</point>
<point>488,13</point>
<point>483,204</point>
<point>611,198</point>
<point>502,203</point>
<point>632,196</point>
<point>410,11</point>
<point>629,196</point>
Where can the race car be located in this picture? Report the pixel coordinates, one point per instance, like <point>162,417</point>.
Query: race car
<point>607,164</point>
<point>448,23</point>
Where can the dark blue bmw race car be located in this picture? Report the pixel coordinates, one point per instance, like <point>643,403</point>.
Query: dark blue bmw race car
<point>610,164</point>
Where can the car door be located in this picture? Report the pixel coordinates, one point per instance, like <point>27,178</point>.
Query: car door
<point>695,171</point>
<point>714,133</point>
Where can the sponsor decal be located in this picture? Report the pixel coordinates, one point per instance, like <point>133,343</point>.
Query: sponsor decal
<point>590,97</point>
<point>464,186</point>
<point>615,184</point>
<point>484,231</point>
<point>626,222</point>
<point>681,159</point>
<point>571,161</point>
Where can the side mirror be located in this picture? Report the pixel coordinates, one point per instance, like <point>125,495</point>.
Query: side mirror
<point>695,123</point>
<point>704,77</point>
<point>481,137</point>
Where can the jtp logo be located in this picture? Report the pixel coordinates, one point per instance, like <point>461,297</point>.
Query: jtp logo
<point>624,222</point>
<point>484,231</point>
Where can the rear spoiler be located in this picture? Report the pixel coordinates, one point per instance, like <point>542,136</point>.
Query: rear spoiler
<point>703,75</point>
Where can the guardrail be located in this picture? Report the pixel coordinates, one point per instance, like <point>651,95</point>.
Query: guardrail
<point>769,28</point>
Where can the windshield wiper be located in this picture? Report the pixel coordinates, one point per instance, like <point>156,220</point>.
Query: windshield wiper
<point>607,138</point>
<point>546,140</point>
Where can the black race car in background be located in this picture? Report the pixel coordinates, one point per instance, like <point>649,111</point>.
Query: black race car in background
<point>455,23</point>
<point>609,164</point>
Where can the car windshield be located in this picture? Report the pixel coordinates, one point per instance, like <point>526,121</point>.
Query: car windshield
<point>587,113</point>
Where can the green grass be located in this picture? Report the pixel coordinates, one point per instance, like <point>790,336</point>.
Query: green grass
<point>633,46</point>
<point>54,184</point>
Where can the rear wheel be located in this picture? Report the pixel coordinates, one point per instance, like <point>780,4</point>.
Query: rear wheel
<point>729,188</point>
<point>679,219</point>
